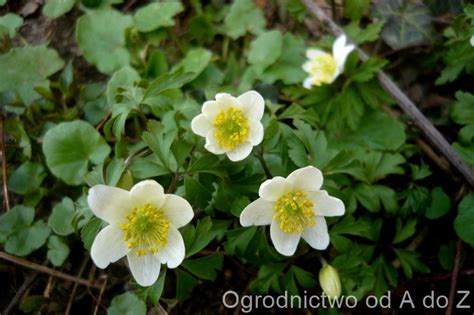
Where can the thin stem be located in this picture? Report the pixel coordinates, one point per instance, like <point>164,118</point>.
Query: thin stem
<point>6,199</point>
<point>265,168</point>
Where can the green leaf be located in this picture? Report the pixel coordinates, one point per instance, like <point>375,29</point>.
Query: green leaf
<point>156,290</point>
<point>406,23</point>
<point>404,230</point>
<point>156,15</point>
<point>463,110</point>
<point>100,35</point>
<point>205,267</point>
<point>464,222</point>
<point>160,142</point>
<point>440,204</point>
<point>197,238</point>
<point>27,239</point>
<point>265,49</point>
<point>361,227</point>
<point>185,284</point>
<point>126,304</point>
<point>243,17</point>
<point>368,69</point>
<point>89,231</point>
<point>166,82</point>
<point>446,255</point>
<point>355,9</point>
<point>2,2</point>
<point>27,178</point>
<point>17,218</point>
<point>367,197</point>
<point>122,78</point>
<point>56,8</point>
<point>62,216</point>
<point>28,67</point>
<point>58,250</point>
<point>410,261</point>
<point>70,146</point>
<point>195,61</point>
<point>9,23</point>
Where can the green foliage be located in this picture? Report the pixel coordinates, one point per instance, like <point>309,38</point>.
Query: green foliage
<point>58,250</point>
<point>9,23</point>
<point>156,15</point>
<point>34,64</point>
<point>465,220</point>
<point>101,37</point>
<point>56,8</point>
<point>244,17</point>
<point>70,146</point>
<point>126,304</point>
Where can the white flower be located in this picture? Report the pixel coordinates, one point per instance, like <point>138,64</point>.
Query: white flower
<point>294,207</point>
<point>143,225</point>
<point>231,125</point>
<point>472,40</point>
<point>324,68</point>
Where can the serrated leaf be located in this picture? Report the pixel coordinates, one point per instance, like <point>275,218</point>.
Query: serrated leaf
<point>156,15</point>
<point>62,216</point>
<point>27,178</point>
<point>404,230</point>
<point>205,267</point>
<point>100,35</point>
<point>27,239</point>
<point>28,67</point>
<point>243,17</point>
<point>15,219</point>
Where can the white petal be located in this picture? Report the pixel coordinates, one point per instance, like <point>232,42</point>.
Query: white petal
<point>108,246</point>
<point>226,100</point>
<point>285,243</point>
<point>340,51</point>
<point>472,41</point>
<point>109,203</point>
<point>317,236</point>
<point>147,191</point>
<point>325,205</point>
<point>212,145</point>
<point>308,83</point>
<point>211,109</point>
<point>240,152</point>
<point>274,188</point>
<point>177,210</point>
<point>252,104</point>
<point>173,252</point>
<point>307,66</point>
<point>259,212</point>
<point>255,132</point>
<point>313,53</point>
<point>200,125</point>
<point>308,178</point>
<point>145,269</point>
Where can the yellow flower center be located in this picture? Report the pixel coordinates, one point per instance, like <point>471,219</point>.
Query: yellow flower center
<point>294,211</point>
<point>146,229</point>
<point>323,67</point>
<point>231,128</point>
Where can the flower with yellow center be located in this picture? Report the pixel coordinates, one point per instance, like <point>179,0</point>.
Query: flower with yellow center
<point>142,225</point>
<point>295,208</point>
<point>231,125</point>
<point>324,68</point>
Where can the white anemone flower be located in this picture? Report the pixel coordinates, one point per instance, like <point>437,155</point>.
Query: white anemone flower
<point>231,125</point>
<point>143,225</point>
<point>324,68</point>
<point>295,208</point>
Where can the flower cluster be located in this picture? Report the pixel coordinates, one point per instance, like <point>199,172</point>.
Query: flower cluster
<point>143,222</point>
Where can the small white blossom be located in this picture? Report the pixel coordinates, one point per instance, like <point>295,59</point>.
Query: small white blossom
<point>143,225</point>
<point>295,208</point>
<point>472,41</point>
<point>324,68</point>
<point>231,125</point>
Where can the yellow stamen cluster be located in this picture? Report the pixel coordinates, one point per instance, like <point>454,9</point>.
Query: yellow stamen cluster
<point>294,212</point>
<point>146,229</point>
<point>323,67</point>
<point>231,128</point>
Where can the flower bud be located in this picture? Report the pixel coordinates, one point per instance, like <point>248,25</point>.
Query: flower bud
<point>126,181</point>
<point>330,282</point>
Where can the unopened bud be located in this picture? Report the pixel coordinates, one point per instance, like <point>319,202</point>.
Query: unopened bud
<point>126,181</point>
<point>330,282</point>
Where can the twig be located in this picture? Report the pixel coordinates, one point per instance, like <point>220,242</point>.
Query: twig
<point>19,294</point>
<point>74,288</point>
<point>440,161</point>
<point>6,199</point>
<point>47,270</point>
<point>454,277</point>
<point>174,182</point>
<point>426,127</point>
<point>102,289</point>
<point>103,121</point>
